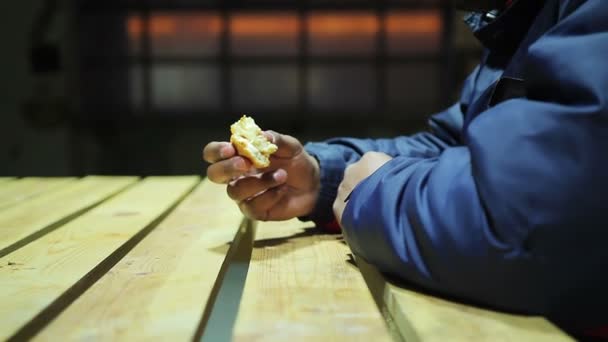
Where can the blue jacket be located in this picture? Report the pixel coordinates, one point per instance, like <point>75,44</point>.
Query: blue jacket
<point>505,201</point>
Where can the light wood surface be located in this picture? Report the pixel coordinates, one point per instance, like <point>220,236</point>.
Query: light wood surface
<point>301,287</point>
<point>421,317</point>
<point>160,288</point>
<point>124,271</point>
<point>43,277</point>
<point>23,223</point>
<point>6,179</point>
<point>9,187</point>
<point>23,189</point>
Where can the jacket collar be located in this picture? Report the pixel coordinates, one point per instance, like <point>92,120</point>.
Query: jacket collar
<point>503,31</point>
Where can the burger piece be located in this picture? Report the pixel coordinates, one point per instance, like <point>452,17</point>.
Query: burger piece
<point>250,143</point>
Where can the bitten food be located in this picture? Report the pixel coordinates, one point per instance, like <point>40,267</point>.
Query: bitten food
<point>250,143</point>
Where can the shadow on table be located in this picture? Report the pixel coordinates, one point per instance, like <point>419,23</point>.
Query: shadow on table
<point>298,240</point>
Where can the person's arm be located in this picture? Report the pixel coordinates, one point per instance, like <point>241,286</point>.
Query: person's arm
<point>334,155</point>
<point>517,217</point>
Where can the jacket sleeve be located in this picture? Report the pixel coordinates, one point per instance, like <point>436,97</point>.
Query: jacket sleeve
<point>335,154</point>
<point>516,218</point>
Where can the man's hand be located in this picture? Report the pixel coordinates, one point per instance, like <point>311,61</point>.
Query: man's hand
<point>288,188</point>
<point>354,174</point>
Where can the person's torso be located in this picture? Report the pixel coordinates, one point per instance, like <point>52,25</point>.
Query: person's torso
<point>501,74</point>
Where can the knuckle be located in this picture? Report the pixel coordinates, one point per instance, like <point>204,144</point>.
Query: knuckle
<point>206,152</point>
<point>227,167</point>
<point>261,217</point>
<point>369,156</point>
<point>272,135</point>
<point>246,210</point>
<point>241,189</point>
<point>256,213</point>
<point>232,192</point>
<point>211,152</point>
<point>348,169</point>
<point>259,206</point>
<point>340,188</point>
<point>336,208</point>
<point>212,175</point>
<point>343,191</point>
<point>268,179</point>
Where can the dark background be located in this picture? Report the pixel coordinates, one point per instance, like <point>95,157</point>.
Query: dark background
<point>139,87</point>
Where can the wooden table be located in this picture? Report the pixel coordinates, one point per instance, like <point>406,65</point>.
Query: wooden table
<point>171,258</point>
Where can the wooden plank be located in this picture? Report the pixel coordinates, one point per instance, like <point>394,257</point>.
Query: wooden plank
<point>26,188</point>
<point>41,279</point>
<point>301,287</point>
<point>28,221</point>
<point>6,179</point>
<point>8,185</point>
<point>160,288</point>
<point>421,317</point>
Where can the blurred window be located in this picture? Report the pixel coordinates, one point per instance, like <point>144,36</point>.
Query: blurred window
<point>343,34</point>
<point>190,57</point>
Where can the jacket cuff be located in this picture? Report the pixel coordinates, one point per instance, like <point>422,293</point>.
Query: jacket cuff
<point>331,168</point>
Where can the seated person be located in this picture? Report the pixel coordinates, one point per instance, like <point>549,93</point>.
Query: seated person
<point>503,202</point>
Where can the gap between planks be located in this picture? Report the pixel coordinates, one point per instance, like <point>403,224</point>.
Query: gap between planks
<point>217,323</point>
<point>23,189</point>
<point>166,283</point>
<point>302,285</point>
<point>22,224</point>
<point>422,317</point>
<point>44,277</point>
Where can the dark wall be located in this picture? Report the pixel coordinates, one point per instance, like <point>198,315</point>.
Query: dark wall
<point>39,136</point>
<point>25,150</point>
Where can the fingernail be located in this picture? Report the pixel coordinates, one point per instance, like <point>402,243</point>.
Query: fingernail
<point>239,164</point>
<point>279,175</point>
<point>224,153</point>
<point>269,136</point>
<point>347,197</point>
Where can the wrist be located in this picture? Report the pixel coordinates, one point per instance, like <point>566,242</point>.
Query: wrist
<point>315,182</point>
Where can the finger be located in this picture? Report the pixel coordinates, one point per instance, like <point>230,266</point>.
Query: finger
<point>250,186</point>
<point>288,146</point>
<point>226,170</point>
<point>340,201</point>
<point>338,209</point>
<point>293,206</point>
<point>259,207</point>
<point>344,190</point>
<point>216,151</point>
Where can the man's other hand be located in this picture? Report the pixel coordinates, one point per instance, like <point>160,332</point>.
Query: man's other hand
<point>354,174</point>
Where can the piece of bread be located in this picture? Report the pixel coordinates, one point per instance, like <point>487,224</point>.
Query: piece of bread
<point>250,143</point>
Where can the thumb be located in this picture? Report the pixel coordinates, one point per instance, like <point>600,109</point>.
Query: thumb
<point>288,146</point>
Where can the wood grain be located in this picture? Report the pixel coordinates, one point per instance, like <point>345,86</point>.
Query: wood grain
<point>42,278</point>
<point>160,288</point>
<point>24,223</point>
<point>301,287</point>
<point>23,189</point>
<point>421,317</point>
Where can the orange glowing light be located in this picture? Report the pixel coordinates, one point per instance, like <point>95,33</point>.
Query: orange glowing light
<point>282,24</point>
<point>170,25</point>
<point>134,26</point>
<point>251,25</point>
<point>343,24</point>
<point>420,22</point>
